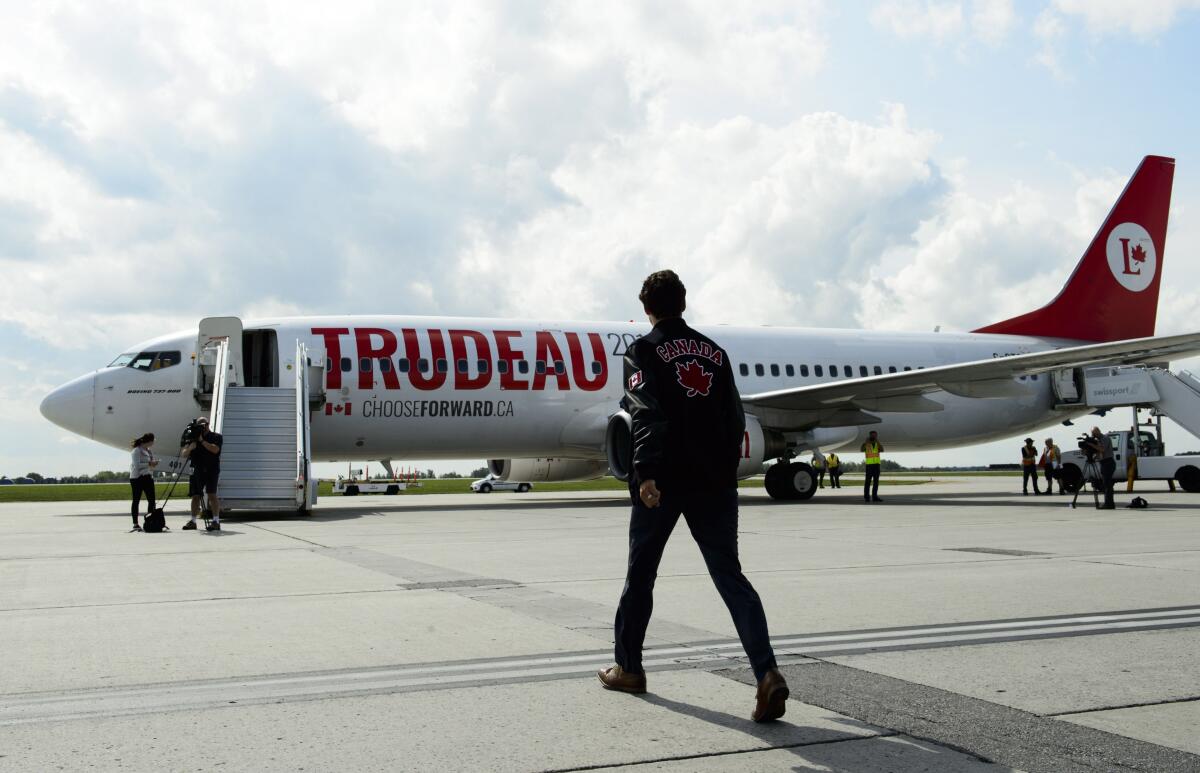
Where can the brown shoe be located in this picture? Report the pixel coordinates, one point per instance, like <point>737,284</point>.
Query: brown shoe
<point>617,678</point>
<point>771,700</point>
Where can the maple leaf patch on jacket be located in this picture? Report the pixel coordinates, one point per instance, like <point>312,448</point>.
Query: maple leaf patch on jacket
<point>694,378</point>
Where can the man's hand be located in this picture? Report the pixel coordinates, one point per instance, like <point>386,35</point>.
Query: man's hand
<point>649,493</point>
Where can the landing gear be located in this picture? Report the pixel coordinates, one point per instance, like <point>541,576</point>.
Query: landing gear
<point>791,480</point>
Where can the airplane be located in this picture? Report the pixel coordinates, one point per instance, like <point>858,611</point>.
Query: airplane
<point>541,399</point>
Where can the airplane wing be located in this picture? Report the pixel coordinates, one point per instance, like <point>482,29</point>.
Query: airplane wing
<point>845,402</point>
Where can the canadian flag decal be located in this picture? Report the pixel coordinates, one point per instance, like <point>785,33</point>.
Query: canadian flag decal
<point>694,378</point>
<point>636,380</point>
<point>343,409</point>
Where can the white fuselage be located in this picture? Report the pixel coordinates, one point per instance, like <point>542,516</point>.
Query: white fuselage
<point>492,388</point>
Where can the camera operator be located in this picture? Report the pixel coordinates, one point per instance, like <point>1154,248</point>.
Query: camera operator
<point>204,450</point>
<point>1101,446</point>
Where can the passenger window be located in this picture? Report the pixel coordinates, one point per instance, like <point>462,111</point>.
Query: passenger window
<point>402,365</point>
<point>523,366</point>
<point>482,366</point>
<point>347,365</point>
<point>774,369</point>
<point>758,370</point>
<point>908,367</point>
<point>891,368</point>
<point>848,371</point>
<point>560,367</point>
<point>462,365</point>
<point>328,364</point>
<point>423,365</point>
<point>862,370</point>
<point>804,371</point>
<point>442,365</point>
<point>540,367</point>
<point>744,369</point>
<point>789,370</point>
<point>502,367</point>
<point>122,360</point>
<point>385,365</point>
<point>818,371</point>
<point>364,365</point>
<point>597,368</point>
<point>878,371</point>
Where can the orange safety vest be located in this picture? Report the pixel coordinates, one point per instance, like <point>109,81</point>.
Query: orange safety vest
<point>1027,455</point>
<point>872,451</point>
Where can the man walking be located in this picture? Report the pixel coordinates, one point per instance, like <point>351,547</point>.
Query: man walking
<point>687,429</point>
<point>871,461</point>
<point>818,465</point>
<point>835,470</point>
<point>205,453</point>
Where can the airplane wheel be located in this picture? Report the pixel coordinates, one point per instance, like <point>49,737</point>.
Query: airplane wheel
<point>802,479</point>
<point>1189,479</point>
<point>1071,477</point>
<point>791,480</point>
<point>774,481</point>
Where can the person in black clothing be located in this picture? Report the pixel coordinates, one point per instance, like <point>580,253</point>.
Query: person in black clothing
<point>688,426</point>
<point>205,454</point>
<point>1102,447</point>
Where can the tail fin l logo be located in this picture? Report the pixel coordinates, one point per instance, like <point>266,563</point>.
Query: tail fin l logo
<point>1131,256</point>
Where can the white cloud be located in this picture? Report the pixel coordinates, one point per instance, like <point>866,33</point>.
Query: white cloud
<point>1050,30</point>
<point>991,20</point>
<point>1145,18</point>
<point>913,19</point>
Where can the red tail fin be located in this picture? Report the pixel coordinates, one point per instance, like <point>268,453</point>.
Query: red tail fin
<point>1113,293</point>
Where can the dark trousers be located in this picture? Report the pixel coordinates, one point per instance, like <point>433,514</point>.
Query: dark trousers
<point>1108,468</point>
<point>835,477</point>
<point>820,477</point>
<point>871,481</point>
<point>142,485</point>
<point>1029,473</point>
<point>712,517</point>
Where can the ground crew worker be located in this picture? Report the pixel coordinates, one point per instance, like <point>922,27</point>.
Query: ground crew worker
<point>1051,461</point>
<point>872,449</point>
<point>818,463</point>
<point>1131,457</point>
<point>1029,466</point>
<point>835,470</point>
<point>687,432</point>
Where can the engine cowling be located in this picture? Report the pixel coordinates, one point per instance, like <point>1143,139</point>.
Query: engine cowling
<point>547,469</point>
<point>757,446</point>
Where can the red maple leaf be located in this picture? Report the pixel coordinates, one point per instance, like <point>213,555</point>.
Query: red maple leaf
<point>1138,254</point>
<point>694,378</point>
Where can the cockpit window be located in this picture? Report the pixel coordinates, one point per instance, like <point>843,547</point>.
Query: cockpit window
<point>152,360</point>
<point>122,360</point>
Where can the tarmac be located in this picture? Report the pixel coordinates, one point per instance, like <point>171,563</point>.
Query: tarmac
<point>956,626</point>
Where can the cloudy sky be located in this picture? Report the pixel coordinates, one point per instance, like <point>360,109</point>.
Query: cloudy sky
<point>898,164</point>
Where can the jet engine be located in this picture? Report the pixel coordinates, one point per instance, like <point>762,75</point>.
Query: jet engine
<point>757,446</point>
<point>547,469</point>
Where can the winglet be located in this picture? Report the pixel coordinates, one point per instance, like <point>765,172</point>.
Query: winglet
<point>1113,293</point>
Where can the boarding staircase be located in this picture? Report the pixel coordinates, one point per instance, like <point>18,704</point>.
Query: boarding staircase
<point>1173,395</point>
<point>267,449</point>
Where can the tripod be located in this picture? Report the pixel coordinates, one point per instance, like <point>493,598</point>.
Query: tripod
<point>1091,474</point>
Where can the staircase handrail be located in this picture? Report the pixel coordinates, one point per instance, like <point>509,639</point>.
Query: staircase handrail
<point>303,433</point>
<point>220,381</point>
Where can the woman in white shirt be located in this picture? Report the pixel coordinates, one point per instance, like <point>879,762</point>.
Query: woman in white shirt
<point>142,463</point>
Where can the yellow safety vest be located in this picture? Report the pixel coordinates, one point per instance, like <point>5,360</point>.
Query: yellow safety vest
<point>833,461</point>
<point>872,451</point>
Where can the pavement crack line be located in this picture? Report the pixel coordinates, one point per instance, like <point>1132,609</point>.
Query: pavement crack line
<point>282,534</point>
<point>1143,704</point>
<point>711,755</point>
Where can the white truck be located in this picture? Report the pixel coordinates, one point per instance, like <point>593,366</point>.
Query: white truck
<point>1151,463</point>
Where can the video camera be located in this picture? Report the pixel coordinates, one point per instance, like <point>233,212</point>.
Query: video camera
<point>192,432</point>
<point>1087,444</point>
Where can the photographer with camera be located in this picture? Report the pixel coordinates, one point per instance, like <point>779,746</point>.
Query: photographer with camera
<point>203,448</point>
<point>1099,446</point>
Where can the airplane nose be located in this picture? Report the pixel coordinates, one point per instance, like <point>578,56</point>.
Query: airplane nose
<point>72,405</point>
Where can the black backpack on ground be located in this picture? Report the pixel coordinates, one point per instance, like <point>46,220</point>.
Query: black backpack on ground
<point>156,521</point>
